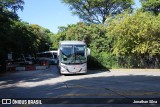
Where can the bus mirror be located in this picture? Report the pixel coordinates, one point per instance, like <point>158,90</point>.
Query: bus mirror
<point>88,51</point>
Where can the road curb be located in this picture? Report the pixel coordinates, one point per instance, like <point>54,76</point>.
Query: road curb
<point>27,68</point>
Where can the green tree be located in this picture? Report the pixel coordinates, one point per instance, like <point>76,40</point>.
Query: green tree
<point>17,36</point>
<point>6,23</point>
<point>43,40</point>
<point>151,5</point>
<point>83,32</point>
<point>14,5</point>
<point>135,36</point>
<point>96,11</point>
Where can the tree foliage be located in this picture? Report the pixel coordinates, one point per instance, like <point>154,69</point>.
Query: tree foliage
<point>96,11</point>
<point>151,5</point>
<point>17,36</point>
<point>14,5</point>
<point>135,35</point>
<point>28,38</point>
<point>6,6</point>
<point>84,32</point>
<point>127,40</point>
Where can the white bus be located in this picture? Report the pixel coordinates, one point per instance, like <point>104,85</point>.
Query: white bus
<point>73,57</point>
<point>50,56</point>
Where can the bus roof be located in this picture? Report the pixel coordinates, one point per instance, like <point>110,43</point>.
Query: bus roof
<point>72,43</point>
<point>55,51</point>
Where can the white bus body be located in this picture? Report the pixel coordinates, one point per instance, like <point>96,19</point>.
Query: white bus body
<point>72,57</point>
<point>50,56</point>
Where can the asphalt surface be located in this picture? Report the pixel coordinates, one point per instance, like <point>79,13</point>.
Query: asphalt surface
<point>120,83</point>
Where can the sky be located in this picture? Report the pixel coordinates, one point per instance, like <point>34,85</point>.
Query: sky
<point>49,14</point>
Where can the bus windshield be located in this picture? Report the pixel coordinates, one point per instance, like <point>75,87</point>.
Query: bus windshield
<point>73,54</point>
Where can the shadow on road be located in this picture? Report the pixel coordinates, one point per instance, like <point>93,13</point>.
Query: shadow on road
<point>97,71</point>
<point>52,85</point>
<point>29,76</point>
<point>95,84</point>
<point>103,86</point>
<point>37,76</point>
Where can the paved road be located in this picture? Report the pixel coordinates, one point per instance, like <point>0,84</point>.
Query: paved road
<point>95,84</point>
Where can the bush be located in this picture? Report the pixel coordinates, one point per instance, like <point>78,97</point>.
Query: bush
<point>108,60</point>
<point>102,60</point>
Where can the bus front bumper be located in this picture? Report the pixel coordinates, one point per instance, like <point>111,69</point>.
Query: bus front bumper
<point>79,69</point>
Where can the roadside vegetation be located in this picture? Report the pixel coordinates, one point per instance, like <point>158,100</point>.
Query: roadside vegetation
<point>17,36</point>
<point>118,35</point>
